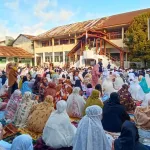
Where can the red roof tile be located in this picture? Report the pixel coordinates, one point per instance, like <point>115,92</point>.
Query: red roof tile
<point>8,51</point>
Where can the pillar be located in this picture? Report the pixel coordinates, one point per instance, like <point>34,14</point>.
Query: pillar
<point>75,39</point>
<point>43,57</point>
<point>53,55</point>
<point>122,33</point>
<point>64,58</point>
<point>104,48</point>
<point>35,60</point>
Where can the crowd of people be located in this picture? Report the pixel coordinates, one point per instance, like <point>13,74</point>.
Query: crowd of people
<point>91,108</point>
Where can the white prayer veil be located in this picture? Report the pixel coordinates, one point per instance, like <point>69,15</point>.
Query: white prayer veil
<point>90,133</point>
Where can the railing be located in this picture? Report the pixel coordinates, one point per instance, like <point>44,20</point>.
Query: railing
<point>114,35</point>
<point>114,60</point>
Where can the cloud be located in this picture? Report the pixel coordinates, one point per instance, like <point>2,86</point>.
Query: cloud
<point>14,5</point>
<point>33,30</point>
<point>48,10</point>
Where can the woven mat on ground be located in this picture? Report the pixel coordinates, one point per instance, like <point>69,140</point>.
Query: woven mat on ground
<point>34,135</point>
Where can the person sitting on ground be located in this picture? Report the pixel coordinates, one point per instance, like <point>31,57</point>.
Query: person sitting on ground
<point>142,114</point>
<point>93,100</point>
<point>23,110</point>
<point>43,88</point>
<point>99,88</point>
<point>12,105</point>
<point>129,138</point>
<point>114,114</point>
<point>25,86</point>
<point>126,98</point>
<point>21,142</point>
<point>90,134</point>
<point>118,82</point>
<point>58,132</point>
<point>50,90</point>
<point>136,91</point>
<point>144,85</point>
<point>75,104</point>
<point>89,90</point>
<point>39,115</point>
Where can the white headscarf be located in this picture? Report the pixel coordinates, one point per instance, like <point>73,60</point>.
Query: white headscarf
<point>136,90</point>
<point>107,86</point>
<point>58,131</point>
<point>22,142</point>
<point>48,77</point>
<point>147,79</point>
<point>146,101</point>
<point>75,104</point>
<point>118,82</point>
<point>90,133</point>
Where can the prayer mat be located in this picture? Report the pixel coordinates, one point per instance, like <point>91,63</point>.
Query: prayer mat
<point>34,135</point>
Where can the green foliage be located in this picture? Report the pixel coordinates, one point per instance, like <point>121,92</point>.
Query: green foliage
<point>137,38</point>
<point>10,42</point>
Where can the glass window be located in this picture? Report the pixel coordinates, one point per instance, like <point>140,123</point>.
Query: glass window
<point>2,60</point>
<point>64,41</point>
<point>56,42</point>
<point>51,58</point>
<point>47,59</point>
<point>56,58</point>
<point>72,41</point>
<point>61,56</point>
<point>45,43</point>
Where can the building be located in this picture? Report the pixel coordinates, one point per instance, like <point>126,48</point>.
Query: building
<point>2,43</point>
<point>24,41</point>
<point>14,54</point>
<point>103,38</point>
<point>7,41</point>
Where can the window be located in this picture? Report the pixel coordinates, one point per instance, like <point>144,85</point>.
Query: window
<point>115,35</point>
<point>64,41</point>
<point>72,41</point>
<point>56,58</point>
<point>47,59</point>
<point>2,60</point>
<point>51,58</point>
<point>61,58</point>
<point>56,42</point>
<point>45,43</point>
<point>66,58</point>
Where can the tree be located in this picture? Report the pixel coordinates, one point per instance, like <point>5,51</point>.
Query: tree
<point>137,39</point>
<point>10,42</point>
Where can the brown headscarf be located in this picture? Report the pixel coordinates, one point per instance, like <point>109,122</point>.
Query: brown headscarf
<point>51,89</point>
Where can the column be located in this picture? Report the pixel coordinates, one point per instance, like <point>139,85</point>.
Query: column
<point>43,57</point>
<point>53,55</point>
<point>35,61</point>
<point>104,48</point>
<point>64,58</point>
<point>122,33</point>
<point>75,39</point>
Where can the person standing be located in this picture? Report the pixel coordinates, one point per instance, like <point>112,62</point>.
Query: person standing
<point>100,66</point>
<point>109,65</point>
<point>95,75</point>
<point>12,79</point>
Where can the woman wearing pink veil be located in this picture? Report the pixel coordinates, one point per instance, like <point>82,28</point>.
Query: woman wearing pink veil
<point>95,75</point>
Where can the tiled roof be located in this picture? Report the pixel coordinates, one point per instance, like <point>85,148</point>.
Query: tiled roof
<point>8,51</point>
<point>96,24</point>
<point>125,18</point>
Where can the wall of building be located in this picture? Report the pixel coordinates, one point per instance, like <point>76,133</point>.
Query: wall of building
<point>24,43</point>
<point>4,61</point>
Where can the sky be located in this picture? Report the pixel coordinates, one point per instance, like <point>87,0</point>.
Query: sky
<point>34,17</point>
